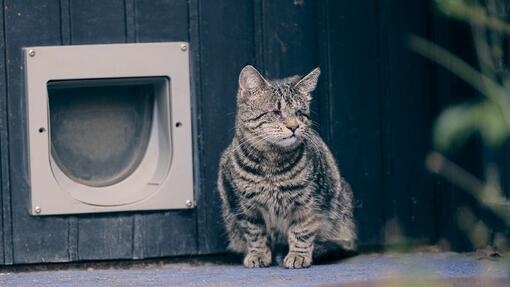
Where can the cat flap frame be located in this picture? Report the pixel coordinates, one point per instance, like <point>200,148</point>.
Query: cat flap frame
<point>163,178</point>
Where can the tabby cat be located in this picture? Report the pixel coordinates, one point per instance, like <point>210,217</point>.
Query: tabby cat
<point>278,181</point>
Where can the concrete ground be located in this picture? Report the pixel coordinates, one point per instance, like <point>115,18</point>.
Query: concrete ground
<point>417,269</point>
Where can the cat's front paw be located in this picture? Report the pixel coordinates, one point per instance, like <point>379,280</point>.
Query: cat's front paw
<point>257,259</point>
<point>296,260</point>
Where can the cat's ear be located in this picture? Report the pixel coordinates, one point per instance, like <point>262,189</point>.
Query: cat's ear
<point>250,79</point>
<point>308,83</point>
<point>293,79</point>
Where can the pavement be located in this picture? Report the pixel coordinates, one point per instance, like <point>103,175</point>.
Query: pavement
<point>417,269</point>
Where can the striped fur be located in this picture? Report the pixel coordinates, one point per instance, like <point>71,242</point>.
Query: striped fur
<point>278,181</point>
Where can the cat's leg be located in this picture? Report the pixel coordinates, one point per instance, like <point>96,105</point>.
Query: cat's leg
<point>230,209</point>
<point>258,253</point>
<point>301,236</point>
<point>247,234</point>
<point>235,235</point>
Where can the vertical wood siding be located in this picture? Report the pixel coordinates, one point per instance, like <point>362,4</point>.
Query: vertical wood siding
<point>374,107</point>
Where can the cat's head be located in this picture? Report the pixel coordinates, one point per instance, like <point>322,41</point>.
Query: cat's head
<point>275,111</point>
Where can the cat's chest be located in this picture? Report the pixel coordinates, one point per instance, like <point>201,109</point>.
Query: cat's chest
<point>279,197</point>
<point>279,206</point>
<point>274,199</point>
<point>277,209</point>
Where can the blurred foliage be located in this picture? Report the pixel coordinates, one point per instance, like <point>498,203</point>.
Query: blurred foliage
<point>490,116</point>
<point>456,124</point>
<point>472,11</point>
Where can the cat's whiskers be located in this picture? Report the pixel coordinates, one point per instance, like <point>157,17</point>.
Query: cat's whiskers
<point>314,124</point>
<point>245,140</point>
<point>250,145</point>
<point>252,150</point>
<point>311,139</point>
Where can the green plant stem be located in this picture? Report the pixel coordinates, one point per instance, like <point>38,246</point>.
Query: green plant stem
<point>472,13</point>
<point>457,66</point>
<point>438,164</point>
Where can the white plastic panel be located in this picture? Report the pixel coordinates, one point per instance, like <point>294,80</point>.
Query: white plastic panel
<point>162,177</point>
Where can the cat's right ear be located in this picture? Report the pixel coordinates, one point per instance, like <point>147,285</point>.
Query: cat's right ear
<point>250,79</point>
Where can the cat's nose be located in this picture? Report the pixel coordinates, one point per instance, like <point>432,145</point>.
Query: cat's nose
<point>292,124</point>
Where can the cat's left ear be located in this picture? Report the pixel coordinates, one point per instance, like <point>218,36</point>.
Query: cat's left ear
<point>308,83</point>
<point>250,79</point>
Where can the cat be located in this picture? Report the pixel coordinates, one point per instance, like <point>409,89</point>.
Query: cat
<point>278,181</point>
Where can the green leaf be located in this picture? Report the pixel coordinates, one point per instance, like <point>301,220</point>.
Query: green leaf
<point>453,127</point>
<point>491,125</point>
<point>458,123</point>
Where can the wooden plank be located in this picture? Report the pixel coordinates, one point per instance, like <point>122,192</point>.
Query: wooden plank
<point>194,39</point>
<point>259,31</point>
<point>5,231</point>
<point>226,45</point>
<point>107,236</point>
<point>450,89</point>
<point>322,97</point>
<point>289,38</point>
<point>101,236</point>
<point>354,103</point>
<point>161,20</point>
<point>65,33</point>
<point>97,21</point>
<point>501,157</point>
<point>505,159</point>
<point>35,239</point>
<point>167,234</point>
<point>172,232</point>
<point>406,85</point>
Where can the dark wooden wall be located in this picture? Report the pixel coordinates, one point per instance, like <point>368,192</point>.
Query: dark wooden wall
<point>373,106</point>
<point>454,36</point>
<point>452,202</point>
<point>28,239</point>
